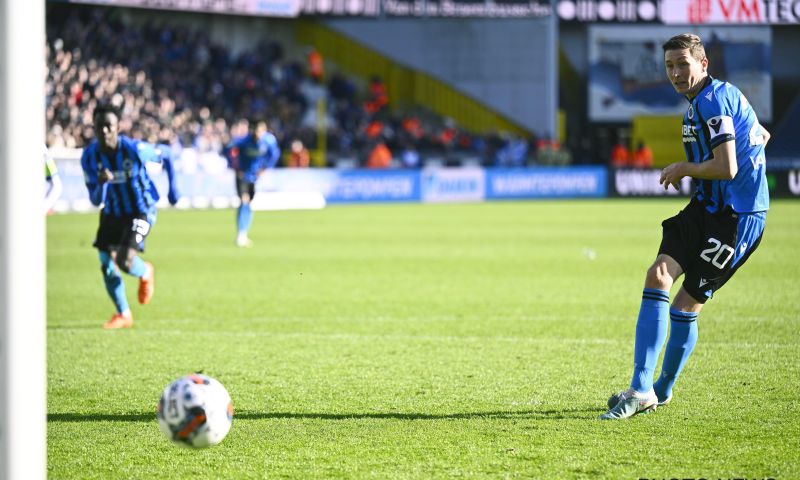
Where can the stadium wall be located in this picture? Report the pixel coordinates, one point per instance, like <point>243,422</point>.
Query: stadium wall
<point>508,64</point>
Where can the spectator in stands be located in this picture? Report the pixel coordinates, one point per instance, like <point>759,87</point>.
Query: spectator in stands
<point>642,156</point>
<point>299,157</point>
<point>620,156</point>
<point>379,156</point>
<point>377,96</point>
<point>316,66</point>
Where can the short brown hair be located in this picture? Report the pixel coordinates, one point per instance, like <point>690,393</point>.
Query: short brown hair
<point>686,41</point>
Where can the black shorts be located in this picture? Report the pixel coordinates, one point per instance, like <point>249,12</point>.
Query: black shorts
<point>116,233</point>
<point>707,247</point>
<point>243,186</point>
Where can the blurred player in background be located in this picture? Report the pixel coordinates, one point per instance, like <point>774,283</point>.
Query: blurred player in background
<point>711,237</point>
<point>53,179</point>
<point>249,155</point>
<point>117,180</point>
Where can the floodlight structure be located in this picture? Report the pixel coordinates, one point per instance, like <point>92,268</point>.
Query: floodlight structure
<point>23,384</point>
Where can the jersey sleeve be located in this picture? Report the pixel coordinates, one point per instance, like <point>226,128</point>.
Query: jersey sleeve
<point>716,109</point>
<point>147,152</point>
<point>90,176</point>
<point>273,151</point>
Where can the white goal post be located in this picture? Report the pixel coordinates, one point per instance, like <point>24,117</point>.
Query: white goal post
<point>23,378</point>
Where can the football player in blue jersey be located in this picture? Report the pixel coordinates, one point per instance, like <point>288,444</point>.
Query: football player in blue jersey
<point>712,237</point>
<point>117,180</point>
<point>249,156</point>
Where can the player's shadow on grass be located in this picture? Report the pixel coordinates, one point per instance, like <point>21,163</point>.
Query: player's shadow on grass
<point>554,414</point>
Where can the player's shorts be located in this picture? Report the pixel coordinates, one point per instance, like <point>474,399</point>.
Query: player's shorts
<point>243,186</point>
<point>710,247</point>
<point>117,233</point>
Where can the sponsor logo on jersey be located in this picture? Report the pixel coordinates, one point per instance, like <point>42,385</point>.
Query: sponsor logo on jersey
<point>721,125</point>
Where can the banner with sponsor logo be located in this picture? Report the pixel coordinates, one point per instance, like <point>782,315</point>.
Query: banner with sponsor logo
<point>730,12</point>
<point>784,183</point>
<point>627,76</point>
<point>345,186</point>
<point>259,8</point>
<point>453,184</point>
<point>545,182</point>
<point>629,182</point>
<point>608,11</point>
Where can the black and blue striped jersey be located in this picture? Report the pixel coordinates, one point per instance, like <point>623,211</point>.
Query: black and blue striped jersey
<point>721,113</point>
<point>131,191</point>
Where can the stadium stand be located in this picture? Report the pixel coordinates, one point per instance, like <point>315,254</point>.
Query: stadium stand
<point>180,87</point>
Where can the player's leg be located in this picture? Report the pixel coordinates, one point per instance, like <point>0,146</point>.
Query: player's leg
<point>682,340</point>
<point>109,232</point>
<point>719,259</point>
<point>652,323</point>
<point>651,332</point>
<point>244,215</point>
<point>128,258</point>
<point>115,286</point>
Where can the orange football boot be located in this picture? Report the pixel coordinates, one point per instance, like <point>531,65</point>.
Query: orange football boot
<point>147,284</point>
<point>119,320</point>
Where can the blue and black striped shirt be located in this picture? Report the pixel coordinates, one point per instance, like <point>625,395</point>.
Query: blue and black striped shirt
<point>131,191</point>
<point>720,113</point>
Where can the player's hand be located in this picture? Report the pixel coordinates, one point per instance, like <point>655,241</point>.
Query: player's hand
<point>104,176</point>
<point>672,175</point>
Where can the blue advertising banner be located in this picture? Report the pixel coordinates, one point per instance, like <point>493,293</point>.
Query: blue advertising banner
<point>375,186</point>
<point>546,182</point>
<point>453,185</point>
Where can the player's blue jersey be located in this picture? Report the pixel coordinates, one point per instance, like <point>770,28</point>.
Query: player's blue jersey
<point>249,155</point>
<point>130,192</point>
<point>721,113</point>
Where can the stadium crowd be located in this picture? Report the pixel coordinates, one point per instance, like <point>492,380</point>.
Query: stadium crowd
<point>179,87</point>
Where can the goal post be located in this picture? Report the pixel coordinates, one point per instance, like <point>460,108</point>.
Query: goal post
<point>23,378</point>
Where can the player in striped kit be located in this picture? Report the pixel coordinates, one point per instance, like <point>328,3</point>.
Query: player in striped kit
<point>117,180</point>
<point>710,239</point>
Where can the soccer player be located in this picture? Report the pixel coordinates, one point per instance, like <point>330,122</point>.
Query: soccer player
<point>712,237</point>
<point>54,187</point>
<point>249,155</point>
<point>117,180</point>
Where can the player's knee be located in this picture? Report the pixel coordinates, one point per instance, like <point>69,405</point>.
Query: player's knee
<point>107,264</point>
<point>124,263</point>
<point>658,277</point>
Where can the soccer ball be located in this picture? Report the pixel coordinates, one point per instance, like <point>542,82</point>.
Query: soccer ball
<point>195,411</point>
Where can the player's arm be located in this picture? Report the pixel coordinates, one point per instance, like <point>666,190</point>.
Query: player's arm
<point>165,155</point>
<point>96,181</point>
<point>273,152</point>
<point>722,166</point>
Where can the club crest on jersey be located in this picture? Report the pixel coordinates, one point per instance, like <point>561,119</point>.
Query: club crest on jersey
<point>690,113</point>
<point>721,125</point>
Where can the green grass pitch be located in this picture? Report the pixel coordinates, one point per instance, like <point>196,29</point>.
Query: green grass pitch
<point>419,341</point>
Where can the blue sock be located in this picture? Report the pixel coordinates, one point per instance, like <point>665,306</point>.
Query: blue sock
<point>113,280</point>
<point>651,331</point>
<point>244,218</point>
<point>682,339</point>
<point>138,267</point>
